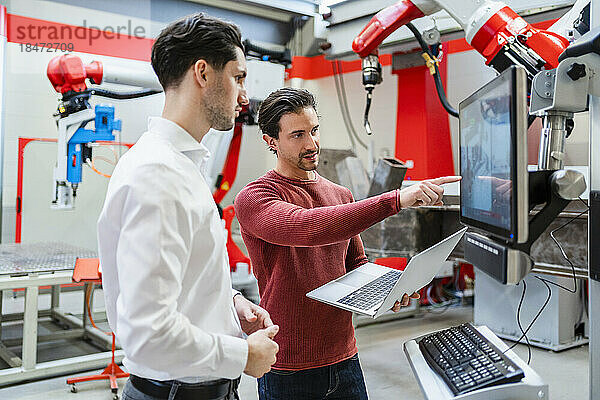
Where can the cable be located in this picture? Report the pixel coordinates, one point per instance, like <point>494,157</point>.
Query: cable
<point>436,76</point>
<point>106,160</point>
<point>442,94</point>
<point>547,283</point>
<point>282,56</point>
<point>345,98</point>
<point>340,103</point>
<point>445,306</point>
<point>342,99</point>
<point>88,294</point>
<point>114,151</point>
<point>534,318</point>
<point>564,254</point>
<point>367,108</point>
<point>519,321</point>
<point>90,163</point>
<point>433,305</point>
<point>122,96</point>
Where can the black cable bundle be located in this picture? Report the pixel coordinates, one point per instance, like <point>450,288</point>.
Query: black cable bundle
<point>123,95</point>
<point>436,77</point>
<point>547,283</point>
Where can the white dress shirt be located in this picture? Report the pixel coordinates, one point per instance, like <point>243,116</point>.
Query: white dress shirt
<point>165,269</point>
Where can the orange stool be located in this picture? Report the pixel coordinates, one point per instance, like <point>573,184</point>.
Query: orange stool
<point>87,270</point>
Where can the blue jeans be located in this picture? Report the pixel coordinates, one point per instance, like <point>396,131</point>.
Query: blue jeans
<point>341,381</point>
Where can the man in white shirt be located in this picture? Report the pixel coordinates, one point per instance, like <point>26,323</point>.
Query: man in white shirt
<point>162,249</point>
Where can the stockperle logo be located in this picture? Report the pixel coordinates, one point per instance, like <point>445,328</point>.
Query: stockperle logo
<point>41,32</point>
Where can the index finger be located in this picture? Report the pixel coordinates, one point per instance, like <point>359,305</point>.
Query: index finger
<point>445,179</point>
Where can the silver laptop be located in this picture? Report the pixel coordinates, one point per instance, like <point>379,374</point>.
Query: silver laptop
<point>373,289</point>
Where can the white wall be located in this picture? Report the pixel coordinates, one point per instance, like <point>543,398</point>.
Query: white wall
<point>30,102</point>
<point>382,115</point>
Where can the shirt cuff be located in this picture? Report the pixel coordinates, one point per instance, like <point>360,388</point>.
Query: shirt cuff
<point>398,205</point>
<point>235,356</point>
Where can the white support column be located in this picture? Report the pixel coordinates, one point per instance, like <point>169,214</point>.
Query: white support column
<point>55,299</point>
<point>594,286</point>
<point>30,328</point>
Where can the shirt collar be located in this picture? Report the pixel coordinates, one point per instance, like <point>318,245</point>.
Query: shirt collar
<point>176,135</point>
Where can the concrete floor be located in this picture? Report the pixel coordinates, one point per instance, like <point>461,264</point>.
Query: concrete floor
<point>386,369</point>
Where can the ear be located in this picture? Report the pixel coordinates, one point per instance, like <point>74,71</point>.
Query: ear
<point>271,142</point>
<point>201,68</point>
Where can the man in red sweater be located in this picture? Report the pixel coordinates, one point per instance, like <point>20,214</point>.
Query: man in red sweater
<point>302,231</point>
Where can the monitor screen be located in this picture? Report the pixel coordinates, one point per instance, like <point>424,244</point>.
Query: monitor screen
<point>488,157</point>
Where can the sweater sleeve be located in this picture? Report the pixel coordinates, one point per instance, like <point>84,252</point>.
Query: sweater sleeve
<point>355,257</point>
<point>262,213</point>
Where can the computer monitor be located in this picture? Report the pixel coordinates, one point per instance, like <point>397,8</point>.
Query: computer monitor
<point>493,158</point>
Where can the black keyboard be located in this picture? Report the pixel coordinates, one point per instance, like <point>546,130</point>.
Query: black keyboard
<point>466,360</point>
<point>373,292</point>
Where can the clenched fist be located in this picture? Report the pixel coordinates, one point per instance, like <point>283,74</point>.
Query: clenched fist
<point>261,351</point>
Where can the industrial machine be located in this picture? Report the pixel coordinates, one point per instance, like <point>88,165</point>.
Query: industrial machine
<point>72,78</point>
<point>559,82</point>
<point>555,77</point>
<point>492,28</point>
<point>556,74</point>
<point>68,75</point>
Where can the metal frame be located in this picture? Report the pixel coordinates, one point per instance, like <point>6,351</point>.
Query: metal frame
<point>26,367</point>
<point>594,179</point>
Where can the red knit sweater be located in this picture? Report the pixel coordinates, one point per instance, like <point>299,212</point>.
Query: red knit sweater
<point>300,235</point>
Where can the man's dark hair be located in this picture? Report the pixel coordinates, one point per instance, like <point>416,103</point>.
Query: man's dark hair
<point>280,102</point>
<point>190,39</point>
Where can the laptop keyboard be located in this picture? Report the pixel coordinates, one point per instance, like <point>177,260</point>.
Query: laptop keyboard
<point>373,292</point>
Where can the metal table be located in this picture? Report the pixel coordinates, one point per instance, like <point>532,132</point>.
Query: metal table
<point>30,266</point>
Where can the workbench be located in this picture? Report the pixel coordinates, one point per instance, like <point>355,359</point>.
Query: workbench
<point>29,267</point>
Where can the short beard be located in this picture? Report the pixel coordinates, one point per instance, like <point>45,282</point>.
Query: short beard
<point>312,167</point>
<point>217,117</point>
<point>308,168</point>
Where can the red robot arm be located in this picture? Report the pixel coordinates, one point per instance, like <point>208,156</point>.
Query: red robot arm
<point>67,72</point>
<point>383,24</point>
<point>493,29</point>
